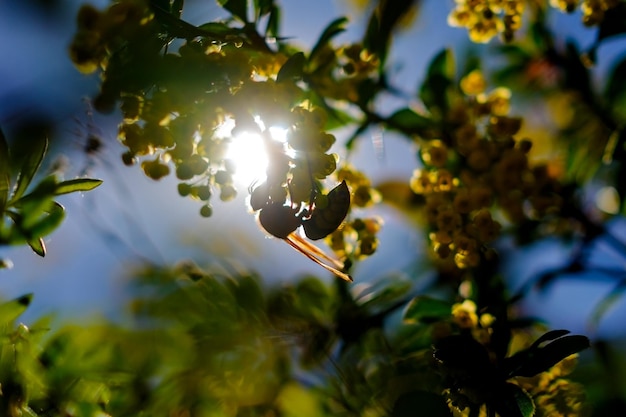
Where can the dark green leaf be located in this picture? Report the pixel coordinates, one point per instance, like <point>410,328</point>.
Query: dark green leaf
<point>426,309</point>
<point>177,8</point>
<point>439,79</point>
<point>263,7</point>
<point>37,245</point>
<point>5,173</point>
<point>407,121</point>
<point>461,352</point>
<point>549,336</point>
<point>535,359</point>
<point>420,403</point>
<point>238,8</point>
<point>385,293</point>
<point>513,401</point>
<point>273,22</point>
<point>79,184</point>
<point>31,164</point>
<point>334,28</point>
<point>382,22</point>
<point>11,310</point>
<point>292,69</point>
<point>160,4</point>
<point>577,74</point>
<point>248,294</point>
<point>217,29</point>
<point>613,23</point>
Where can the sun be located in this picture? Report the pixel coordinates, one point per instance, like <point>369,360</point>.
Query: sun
<point>247,150</point>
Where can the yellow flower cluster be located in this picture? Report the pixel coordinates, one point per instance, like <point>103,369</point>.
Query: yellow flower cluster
<point>357,238</point>
<point>483,168</point>
<point>485,19</point>
<point>99,32</point>
<point>553,394</point>
<point>593,10</point>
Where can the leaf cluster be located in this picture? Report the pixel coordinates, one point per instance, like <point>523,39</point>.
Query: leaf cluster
<point>27,215</point>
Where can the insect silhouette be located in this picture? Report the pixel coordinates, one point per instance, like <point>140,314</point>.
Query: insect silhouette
<point>318,220</point>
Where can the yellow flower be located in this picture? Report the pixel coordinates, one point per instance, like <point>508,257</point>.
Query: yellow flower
<point>436,154</point>
<point>464,314</point>
<point>473,83</point>
<point>420,182</point>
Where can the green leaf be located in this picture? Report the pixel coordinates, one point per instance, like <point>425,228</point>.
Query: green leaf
<point>536,359</point>
<point>333,29</point>
<point>5,173</point>
<point>439,79</point>
<point>382,23</point>
<point>217,30</point>
<point>425,309</point>
<point>30,166</point>
<point>49,222</point>
<point>420,403</point>
<point>263,7</point>
<point>79,184</point>
<point>292,69</point>
<point>273,22</point>
<point>238,8</point>
<point>513,401</point>
<point>385,293</point>
<point>248,293</point>
<point>549,336</point>
<point>408,121</point>
<point>37,245</point>
<point>11,310</point>
<point>177,8</point>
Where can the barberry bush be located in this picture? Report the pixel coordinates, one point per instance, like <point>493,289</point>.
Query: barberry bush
<point>206,343</point>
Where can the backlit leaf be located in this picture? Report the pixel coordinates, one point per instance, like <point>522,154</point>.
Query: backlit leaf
<point>11,310</point>
<point>49,222</point>
<point>31,164</point>
<point>79,184</point>
<point>37,245</point>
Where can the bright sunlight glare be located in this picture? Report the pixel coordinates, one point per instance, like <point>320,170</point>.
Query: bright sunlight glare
<point>249,155</point>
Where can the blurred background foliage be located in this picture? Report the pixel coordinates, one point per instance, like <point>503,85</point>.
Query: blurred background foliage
<point>212,340</point>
